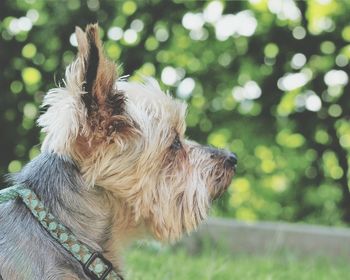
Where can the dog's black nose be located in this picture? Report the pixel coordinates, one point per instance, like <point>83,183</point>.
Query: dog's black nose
<point>231,160</point>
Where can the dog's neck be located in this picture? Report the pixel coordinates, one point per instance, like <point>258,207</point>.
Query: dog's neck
<point>89,214</point>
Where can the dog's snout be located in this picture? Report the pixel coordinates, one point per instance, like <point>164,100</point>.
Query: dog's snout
<point>231,160</point>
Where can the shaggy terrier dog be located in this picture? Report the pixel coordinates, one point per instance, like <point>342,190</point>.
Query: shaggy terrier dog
<point>115,166</point>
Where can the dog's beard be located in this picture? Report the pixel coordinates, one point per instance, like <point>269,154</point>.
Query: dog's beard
<point>182,202</point>
<point>179,214</point>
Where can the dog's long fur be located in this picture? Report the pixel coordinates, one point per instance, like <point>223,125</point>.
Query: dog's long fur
<point>115,166</point>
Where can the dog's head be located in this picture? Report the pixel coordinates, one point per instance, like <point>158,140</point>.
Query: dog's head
<point>128,138</point>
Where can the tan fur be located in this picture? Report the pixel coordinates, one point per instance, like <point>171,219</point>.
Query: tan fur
<point>152,189</point>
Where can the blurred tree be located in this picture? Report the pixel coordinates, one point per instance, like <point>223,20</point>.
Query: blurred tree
<point>268,79</point>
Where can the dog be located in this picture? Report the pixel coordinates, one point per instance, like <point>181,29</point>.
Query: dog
<point>114,167</point>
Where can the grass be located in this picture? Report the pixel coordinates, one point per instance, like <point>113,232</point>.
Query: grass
<point>168,264</point>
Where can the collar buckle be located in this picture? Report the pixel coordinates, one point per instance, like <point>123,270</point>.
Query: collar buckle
<point>103,261</point>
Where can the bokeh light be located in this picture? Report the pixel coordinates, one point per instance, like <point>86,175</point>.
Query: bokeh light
<point>268,79</point>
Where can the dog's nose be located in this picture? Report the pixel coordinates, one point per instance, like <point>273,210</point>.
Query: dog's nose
<point>231,160</point>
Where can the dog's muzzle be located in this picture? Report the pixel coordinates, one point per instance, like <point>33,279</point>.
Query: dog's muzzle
<point>231,161</point>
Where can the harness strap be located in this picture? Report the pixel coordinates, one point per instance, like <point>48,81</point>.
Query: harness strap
<point>94,264</point>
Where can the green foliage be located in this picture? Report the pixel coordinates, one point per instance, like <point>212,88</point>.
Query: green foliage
<point>266,79</point>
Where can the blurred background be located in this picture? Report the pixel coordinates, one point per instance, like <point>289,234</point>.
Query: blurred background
<point>268,79</point>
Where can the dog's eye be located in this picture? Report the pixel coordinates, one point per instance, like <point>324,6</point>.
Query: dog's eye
<point>176,145</point>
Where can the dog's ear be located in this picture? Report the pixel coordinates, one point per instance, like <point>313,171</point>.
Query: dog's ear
<point>104,103</point>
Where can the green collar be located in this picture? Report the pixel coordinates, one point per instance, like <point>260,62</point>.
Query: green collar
<point>93,263</point>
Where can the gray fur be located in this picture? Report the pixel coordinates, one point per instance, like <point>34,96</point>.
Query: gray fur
<point>27,251</point>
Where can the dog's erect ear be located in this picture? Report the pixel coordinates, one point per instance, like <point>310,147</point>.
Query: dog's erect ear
<point>104,103</point>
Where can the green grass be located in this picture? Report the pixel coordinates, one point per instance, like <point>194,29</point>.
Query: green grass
<point>166,264</point>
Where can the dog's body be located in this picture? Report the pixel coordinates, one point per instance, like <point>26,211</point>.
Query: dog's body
<point>27,251</point>
<point>114,167</point>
